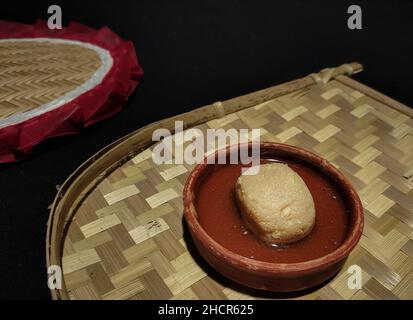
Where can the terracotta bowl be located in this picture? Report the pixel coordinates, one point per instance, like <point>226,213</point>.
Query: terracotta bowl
<point>279,277</point>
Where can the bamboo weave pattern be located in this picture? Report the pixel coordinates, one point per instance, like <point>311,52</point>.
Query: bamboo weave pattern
<point>36,73</point>
<point>127,240</point>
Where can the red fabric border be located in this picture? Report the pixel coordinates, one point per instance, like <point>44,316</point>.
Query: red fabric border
<point>105,100</point>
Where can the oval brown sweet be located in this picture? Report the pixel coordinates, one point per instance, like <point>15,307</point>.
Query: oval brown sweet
<point>275,203</point>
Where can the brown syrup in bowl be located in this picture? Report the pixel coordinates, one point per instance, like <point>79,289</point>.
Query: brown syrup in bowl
<point>220,217</point>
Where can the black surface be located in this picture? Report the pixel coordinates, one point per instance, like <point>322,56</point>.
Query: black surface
<point>193,53</point>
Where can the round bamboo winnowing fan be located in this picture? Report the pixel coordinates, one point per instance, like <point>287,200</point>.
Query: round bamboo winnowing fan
<point>53,82</point>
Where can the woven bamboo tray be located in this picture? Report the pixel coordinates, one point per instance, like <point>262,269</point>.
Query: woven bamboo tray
<point>35,73</point>
<point>55,83</point>
<point>116,224</point>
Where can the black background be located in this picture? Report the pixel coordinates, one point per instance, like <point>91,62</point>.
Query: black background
<point>193,53</point>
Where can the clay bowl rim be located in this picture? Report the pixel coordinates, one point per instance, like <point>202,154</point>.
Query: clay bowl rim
<point>274,268</point>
